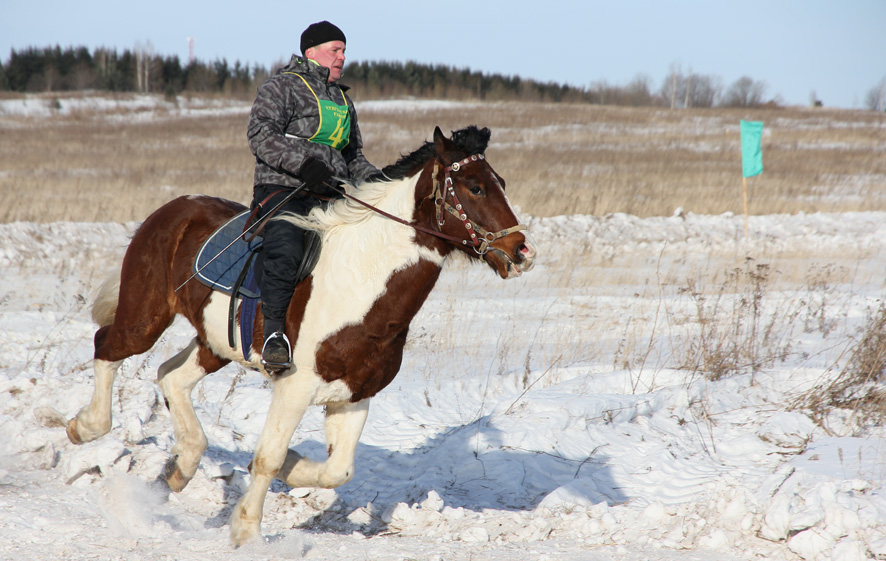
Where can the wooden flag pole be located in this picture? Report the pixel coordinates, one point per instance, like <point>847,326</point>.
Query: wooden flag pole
<point>744,188</point>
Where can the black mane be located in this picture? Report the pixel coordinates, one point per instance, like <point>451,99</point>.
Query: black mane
<point>470,140</point>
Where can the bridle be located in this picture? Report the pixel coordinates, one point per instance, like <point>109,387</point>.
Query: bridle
<point>440,194</point>
<point>447,190</point>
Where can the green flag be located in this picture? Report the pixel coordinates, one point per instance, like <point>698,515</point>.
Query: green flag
<point>751,149</point>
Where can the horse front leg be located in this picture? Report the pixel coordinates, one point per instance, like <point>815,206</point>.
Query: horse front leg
<point>344,425</point>
<point>291,397</point>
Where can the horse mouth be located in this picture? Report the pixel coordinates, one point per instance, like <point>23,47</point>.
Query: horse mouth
<point>512,266</point>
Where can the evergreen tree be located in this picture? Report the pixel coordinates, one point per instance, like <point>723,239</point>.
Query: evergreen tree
<point>24,68</point>
<point>4,81</point>
<point>173,75</point>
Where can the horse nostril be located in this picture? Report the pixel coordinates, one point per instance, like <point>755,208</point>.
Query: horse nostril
<point>522,252</point>
<point>525,255</point>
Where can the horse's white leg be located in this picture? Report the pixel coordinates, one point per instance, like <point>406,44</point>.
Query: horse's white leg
<point>344,424</point>
<point>177,378</point>
<point>291,397</point>
<point>94,420</point>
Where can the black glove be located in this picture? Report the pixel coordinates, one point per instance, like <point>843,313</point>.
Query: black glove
<point>314,173</point>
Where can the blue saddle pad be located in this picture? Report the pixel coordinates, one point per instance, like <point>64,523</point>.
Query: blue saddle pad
<point>223,255</point>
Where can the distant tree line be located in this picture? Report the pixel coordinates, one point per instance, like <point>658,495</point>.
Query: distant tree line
<point>57,70</point>
<point>383,79</point>
<point>54,69</point>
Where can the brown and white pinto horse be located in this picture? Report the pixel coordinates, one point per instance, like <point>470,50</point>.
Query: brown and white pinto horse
<point>348,321</point>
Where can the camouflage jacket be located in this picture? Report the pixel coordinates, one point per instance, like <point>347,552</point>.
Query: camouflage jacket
<point>285,115</point>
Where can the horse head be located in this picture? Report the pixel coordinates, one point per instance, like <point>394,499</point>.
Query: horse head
<point>467,203</point>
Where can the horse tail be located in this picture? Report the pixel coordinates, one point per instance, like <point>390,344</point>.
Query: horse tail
<point>105,306</point>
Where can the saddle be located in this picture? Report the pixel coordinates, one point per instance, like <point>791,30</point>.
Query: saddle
<point>228,263</point>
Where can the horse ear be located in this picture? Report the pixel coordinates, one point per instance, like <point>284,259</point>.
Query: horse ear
<point>442,144</point>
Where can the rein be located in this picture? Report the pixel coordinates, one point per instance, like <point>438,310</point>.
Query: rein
<point>440,194</point>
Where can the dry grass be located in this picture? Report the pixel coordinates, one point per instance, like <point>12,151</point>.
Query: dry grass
<point>858,389</point>
<point>558,159</point>
<point>117,166</point>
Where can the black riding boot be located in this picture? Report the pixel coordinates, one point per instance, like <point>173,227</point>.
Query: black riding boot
<point>282,252</point>
<point>276,352</point>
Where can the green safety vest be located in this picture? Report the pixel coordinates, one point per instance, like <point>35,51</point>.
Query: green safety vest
<point>335,120</point>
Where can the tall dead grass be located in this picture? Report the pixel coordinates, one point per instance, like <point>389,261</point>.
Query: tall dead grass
<point>858,388</point>
<point>119,165</point>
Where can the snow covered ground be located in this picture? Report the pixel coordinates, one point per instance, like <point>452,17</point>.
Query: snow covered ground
<point>559,416</point>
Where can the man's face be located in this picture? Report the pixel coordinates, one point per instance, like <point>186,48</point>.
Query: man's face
<point>331,55</point>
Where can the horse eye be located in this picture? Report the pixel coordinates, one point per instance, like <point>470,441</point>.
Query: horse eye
<point>476,191</point>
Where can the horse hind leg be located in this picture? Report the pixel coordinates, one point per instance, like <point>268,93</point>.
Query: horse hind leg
<point>94,420</point>
<point>116,341</point>
<point>344,424</point>
<point>177,378</point>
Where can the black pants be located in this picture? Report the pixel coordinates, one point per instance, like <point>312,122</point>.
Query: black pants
<point>282,253</point>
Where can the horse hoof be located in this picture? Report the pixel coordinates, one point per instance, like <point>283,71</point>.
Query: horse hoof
<point>73,434</point>
<point>79,434</point>
<point>242,532</point>
<point>174,476</point>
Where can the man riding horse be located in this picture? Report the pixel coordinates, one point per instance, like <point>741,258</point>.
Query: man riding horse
<point>349,320</point>
<point>303,131</point>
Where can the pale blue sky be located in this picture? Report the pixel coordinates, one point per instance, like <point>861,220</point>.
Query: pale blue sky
<point>835,48</point>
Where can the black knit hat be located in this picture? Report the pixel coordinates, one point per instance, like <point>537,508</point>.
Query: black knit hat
<point>319,33</point>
